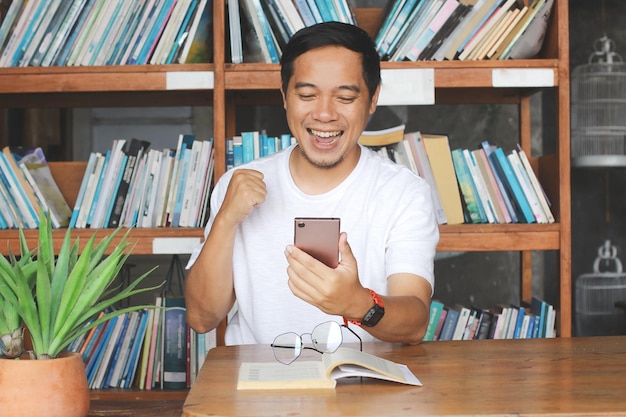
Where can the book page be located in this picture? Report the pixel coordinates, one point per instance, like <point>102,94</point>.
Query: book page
<point>276,375</point>
<point>351,362</point>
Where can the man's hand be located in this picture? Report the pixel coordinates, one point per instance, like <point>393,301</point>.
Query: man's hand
<point>246,190</point>
<point>334,291</point>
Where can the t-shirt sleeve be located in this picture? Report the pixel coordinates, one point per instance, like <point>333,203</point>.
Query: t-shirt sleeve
<point>414,235</point>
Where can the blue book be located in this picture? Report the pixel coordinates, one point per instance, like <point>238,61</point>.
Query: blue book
<point>185,141</point>
<point>136,345</point>
<point>50,34</point>
<point>174,343</point>
<point>305,12</point>
<point>395,26</point>
<point>248,145</point>
<point>183,32</point>
<point>504,169</point>
<point>94,203</point>
<point>530,334</point>
<point>180,188</point>
<point>271,144</point>
<point>100,347</point>
<point>540,309</point>
<point>61,57</point>
<point>263,140</point>
<point>229,154</point>
<point>469,193</point>
<point>263,30</point>
<point>285,140</point>
<point>326,10</point>
<point>69,18</point>
<point>390,13</point>
<point>237,151</point>
<point>116,187</point>
<point>16,191</point>
<point>315,11</point>
<point>115,356</point>
<point>489,148</point>
<point>126,34</point>
<point>519,322</point>
<point>432,28</point>
<point>88,349</point>
<point>436,307</point>
<point>3,223</point>
<point>96,45</point>
<point>147,19</point>
<point>12,15</point>
<point>344,12</point>
<point>449,325</point>
<point>29,33</point>
<point>155,32</point>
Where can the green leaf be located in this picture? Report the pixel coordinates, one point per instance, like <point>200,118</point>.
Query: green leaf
<point>73,287</point>
<point>44,303</point>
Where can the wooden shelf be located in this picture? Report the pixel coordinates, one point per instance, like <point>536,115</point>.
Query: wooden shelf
<point>448,74</point>
<point>133,78</point>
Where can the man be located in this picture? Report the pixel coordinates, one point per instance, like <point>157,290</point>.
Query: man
<point>383,284</point>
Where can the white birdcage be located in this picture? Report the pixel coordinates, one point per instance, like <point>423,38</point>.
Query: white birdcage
<point>598,108</point>
<point>597,294</point>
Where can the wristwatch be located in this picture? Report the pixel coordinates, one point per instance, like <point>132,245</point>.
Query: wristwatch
<point>374,314</point>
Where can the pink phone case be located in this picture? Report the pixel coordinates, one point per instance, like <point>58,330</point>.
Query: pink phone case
<point>319,237</point>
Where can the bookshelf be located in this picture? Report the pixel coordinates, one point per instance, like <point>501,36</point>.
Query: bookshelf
<point>224,86</point>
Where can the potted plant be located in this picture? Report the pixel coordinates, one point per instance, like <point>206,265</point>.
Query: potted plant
<point>57,298</point>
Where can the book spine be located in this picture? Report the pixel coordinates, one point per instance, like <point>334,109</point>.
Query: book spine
<point>510,180</point>
<point>464,179</point>
<point>174,344</point>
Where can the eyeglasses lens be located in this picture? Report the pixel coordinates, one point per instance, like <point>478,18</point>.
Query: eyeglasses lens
<point>327,337</point>
<point>287,347</point>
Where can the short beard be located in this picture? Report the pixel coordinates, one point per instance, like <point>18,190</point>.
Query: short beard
<point>321,165</point>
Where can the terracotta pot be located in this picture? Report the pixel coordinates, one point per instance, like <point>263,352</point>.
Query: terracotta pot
<point>51,387</point>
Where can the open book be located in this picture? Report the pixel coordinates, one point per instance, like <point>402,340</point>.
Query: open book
<point>344,362</point>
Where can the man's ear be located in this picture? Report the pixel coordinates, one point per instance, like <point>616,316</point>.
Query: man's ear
<point>374,100</point>
<point>282,93</point>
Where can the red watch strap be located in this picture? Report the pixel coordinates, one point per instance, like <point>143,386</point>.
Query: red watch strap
<point>377,300</point>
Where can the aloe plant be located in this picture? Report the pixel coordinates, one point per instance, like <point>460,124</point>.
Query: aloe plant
<point>58,296</point>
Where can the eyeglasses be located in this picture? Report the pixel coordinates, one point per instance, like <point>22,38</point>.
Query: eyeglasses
<point>325,338</point>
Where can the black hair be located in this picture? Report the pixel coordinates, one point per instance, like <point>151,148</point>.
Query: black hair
<point>332,34</point>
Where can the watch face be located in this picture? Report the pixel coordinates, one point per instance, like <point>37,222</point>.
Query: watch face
<point>373,316</point>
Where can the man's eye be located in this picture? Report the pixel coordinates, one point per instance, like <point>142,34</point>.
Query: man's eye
<point>306,96</point>
<point>346,99</point>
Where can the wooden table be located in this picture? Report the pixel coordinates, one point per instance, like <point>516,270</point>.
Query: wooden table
<point>533,377</point>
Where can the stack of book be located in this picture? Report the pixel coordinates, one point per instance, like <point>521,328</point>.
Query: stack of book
<point>484,185</point>
<point>134,186</point>
<point>536,320</point>
<point>92,32</point>
<point>254,144</point>
<point>27,188</point>
<point>271,23</point>
<point>411,30</point>
<point>417,30</point>
<point>143,349</point>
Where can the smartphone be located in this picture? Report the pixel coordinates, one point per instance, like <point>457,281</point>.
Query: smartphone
<point>319,237</point>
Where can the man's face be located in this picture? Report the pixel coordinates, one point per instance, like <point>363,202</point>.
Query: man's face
<point>328,105</point>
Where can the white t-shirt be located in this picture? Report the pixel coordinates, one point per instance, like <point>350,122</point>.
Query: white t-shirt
<point>385,209</point>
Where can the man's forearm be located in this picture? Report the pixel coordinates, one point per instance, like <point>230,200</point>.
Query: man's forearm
<point>209,293</point>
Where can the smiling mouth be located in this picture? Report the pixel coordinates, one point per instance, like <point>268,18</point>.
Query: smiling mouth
<point>326,136</point>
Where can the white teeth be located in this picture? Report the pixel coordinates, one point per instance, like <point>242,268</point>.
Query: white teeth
<point>325,134</point>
